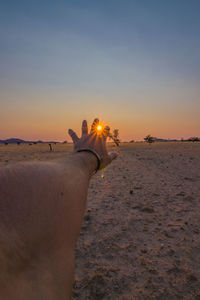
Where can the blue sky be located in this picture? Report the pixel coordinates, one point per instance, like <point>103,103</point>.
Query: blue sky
<point>136,64</point>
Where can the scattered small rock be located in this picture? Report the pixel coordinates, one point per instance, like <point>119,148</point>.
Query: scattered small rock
<point>190,179</point>
<point>192,277</point>
<point>148,209</point>
<point>188,198</point>
<point>181,194</point>
<point>137,187</point>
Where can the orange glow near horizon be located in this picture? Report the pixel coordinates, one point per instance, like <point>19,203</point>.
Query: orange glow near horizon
<point>56,129</point>
<point>36,122</point>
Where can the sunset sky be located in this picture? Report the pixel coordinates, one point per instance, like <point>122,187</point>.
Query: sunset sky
<point>133,64</point>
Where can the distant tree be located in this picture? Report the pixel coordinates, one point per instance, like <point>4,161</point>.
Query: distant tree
<point>116,133</point>
<point>35,143</point>
<point>194,139</point>
<point>55,143</point>
<point>50,147</point>
<point>149,139</point>
<point>65,142</point>
<point>18,143</point>
<point>30,144</point>
<point>132,141</point>
<point>6,144</point>
<point>115,136</point>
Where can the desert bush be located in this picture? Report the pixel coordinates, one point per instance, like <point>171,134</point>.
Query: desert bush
<point>115,136</point>
<point>149,139</point>
<point>194,139</point>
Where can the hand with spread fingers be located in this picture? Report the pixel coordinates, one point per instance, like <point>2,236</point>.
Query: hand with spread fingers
<point>94,142</point>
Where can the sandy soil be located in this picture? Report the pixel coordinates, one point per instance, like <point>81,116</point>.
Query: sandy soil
<point>140,237</point>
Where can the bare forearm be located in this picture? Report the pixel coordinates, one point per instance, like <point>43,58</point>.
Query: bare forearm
<point>46,192</point>
<point>41,208</point>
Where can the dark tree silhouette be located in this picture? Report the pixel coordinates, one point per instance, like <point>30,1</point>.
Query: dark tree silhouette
<point>50,147</point>
<point>6,144</point>
<point>194,139</point>
<point>115,136</point>
<point>149,139</point>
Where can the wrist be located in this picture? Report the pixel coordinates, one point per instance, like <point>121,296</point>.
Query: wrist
<point>87,161</point>
<point>94,153</point>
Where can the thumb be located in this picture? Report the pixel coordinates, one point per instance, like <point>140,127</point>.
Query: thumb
<point>113,155</point>
<point>108,160</point>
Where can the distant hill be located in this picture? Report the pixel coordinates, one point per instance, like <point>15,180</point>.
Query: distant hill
<point>165,140</point>
<point>16,140</point>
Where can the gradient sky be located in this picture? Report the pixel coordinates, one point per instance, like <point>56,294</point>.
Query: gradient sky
<point>134,64</point>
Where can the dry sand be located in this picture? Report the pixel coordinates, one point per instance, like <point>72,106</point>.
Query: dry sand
<point>140,237</point>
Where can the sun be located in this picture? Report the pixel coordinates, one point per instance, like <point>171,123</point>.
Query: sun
<point>99,127</point>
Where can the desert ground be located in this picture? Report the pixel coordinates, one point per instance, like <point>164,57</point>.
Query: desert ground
<point>140,238</point>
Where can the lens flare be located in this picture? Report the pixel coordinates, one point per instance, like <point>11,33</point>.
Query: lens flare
<point>99,127</point>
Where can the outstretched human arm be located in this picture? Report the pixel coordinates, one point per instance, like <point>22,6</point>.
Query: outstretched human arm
<point>41,210</point>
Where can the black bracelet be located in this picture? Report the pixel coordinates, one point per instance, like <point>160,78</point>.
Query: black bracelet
<point>95,153</point>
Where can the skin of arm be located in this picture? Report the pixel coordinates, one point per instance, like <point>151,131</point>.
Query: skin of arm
<point>42,205</point>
